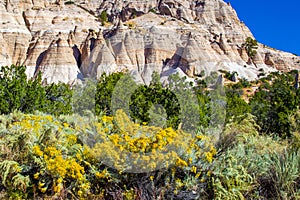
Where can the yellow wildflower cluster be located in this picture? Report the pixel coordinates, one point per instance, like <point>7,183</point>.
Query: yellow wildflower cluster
<point>37,124</point>
<point>138,138</point>
<point>209,155</point>
<point>131,146</point>
<point>202,147</point>
<point>199,151</point>
<point>37,151</point>
<point>194,169</point>
<point>61,168</point>
<point>181,163</point>
<point>127,144</point>
<point>138,141</point>
<point>33,123</point>
<point>71,139</point>
<point>103,175</point>
<point>107,119</point>
<point>42,187</point>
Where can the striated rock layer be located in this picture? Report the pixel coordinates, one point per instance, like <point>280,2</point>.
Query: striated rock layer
<point>66,41</point>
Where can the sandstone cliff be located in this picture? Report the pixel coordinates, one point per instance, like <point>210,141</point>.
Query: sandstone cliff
<point>66,40</point>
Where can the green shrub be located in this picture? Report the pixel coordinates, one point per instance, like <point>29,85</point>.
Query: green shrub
<point>146,97</point>
<point>103,18</point>
<point>250,45</point>
<point>235,105</point>
<point>19,93</point>
<point>273,102</point>
<point>105,88</point>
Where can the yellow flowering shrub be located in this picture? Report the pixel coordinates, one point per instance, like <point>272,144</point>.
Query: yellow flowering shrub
<point>62,169</point>
<point>79,156</point>
<point>133,147</point>
<point>130,146</point>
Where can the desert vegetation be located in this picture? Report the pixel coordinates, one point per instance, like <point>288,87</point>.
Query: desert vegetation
<point>59,142</point>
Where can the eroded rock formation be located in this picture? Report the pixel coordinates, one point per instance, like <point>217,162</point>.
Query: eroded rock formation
<point>68,40</point>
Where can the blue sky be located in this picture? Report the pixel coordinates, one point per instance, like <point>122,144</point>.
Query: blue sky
<point>272,22</point>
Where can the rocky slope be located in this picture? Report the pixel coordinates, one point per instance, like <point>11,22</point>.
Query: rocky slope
<point>67,40</point>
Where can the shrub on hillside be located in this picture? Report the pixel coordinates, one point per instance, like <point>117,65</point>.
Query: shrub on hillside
<point>273,102</point>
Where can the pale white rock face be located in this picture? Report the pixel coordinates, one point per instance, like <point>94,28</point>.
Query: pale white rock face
<point>4,57</point>
<point>14,37</point>
<point>188,37</point>
<point>58,63</point>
